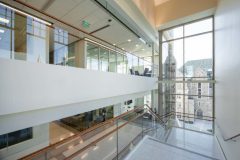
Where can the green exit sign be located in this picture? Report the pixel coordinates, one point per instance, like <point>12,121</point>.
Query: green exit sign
<point>85,24</point>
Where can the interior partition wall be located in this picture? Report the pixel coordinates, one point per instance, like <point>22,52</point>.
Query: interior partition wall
<point>186,82</point>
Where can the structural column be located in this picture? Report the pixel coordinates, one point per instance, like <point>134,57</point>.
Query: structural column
<point>160,78</point>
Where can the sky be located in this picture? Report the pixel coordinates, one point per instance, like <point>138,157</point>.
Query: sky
<point>195,48</point>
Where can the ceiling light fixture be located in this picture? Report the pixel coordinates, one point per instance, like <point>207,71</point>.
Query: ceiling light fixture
<point>122,48</point>
<point>142,40</point>
<point>143,49</point>
<point>2,31</point>
<point>97,43</point>
<point>114,44</point>
<point>137,45</point>
<point>26,14</point>
<point>4,20</point>
<point>129,40</point>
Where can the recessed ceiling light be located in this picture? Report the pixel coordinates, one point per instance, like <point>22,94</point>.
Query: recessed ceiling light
<point>122,48</point>
<point>129,40</point>
<point>4,20</point>
<point>137,45</point>
<point>2,31</point>
<point>143,49</point>
<point>114,44</point>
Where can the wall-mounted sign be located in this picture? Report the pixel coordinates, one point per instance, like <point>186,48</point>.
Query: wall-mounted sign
<point>85,24</point>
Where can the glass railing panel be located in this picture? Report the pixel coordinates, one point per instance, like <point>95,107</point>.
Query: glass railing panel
<point>129,134</point>
<point>84,143</point>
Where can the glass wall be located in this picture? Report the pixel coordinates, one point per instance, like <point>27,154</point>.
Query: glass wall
<point>112,61</point>
<point>187,67</point>
<point>104,59</point>
<point>92,57</point>
<point>108,60</point>
<point>22,37</point>
<point>26,38</point>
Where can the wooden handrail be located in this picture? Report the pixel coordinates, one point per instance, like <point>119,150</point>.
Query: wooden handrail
<point>101,138</point>
<point>34,154</point>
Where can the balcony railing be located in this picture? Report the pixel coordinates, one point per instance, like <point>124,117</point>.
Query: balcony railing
<point>112,138</point>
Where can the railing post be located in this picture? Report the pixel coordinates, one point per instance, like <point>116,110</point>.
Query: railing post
<point>142,125</point>
<point>117,139</point>
<point>46,155</point>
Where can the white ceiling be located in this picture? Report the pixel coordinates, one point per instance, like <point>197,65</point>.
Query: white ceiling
<point>75,11</point>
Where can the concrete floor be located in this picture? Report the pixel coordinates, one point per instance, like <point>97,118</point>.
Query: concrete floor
<point>180,145</point>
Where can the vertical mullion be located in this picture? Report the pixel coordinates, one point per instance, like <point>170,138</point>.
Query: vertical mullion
<point>213,71</point>
<point>184,76</point>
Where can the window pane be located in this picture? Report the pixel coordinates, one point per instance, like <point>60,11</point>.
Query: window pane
<point>200,90</point>
<point>141,66</point>
<point>103,57</point>
<point>92,57</point>
<point>198,56</point>
<point>173,33</point>
<point>125,65</point>
<point>172,59</point>
<point>5,43</point>
<point>112,62</point>
<point>198,27</point>
<point>120,63</point>
<point>135,64</point>
<point>130,63</point>
<point>198,113</point>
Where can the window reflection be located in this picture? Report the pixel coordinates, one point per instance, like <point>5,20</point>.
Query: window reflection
<point>6,33</point>
<point>36,41</point>
<point>92,56</point>
<point>60,46</point>
<point>112,61</point>
<point>103,57</point>
<point>120,63</point>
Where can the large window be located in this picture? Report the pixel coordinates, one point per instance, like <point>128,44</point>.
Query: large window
<point>104,58</point>
<point>187,61</point>
<point>13,138</point>
<point>92,57</point>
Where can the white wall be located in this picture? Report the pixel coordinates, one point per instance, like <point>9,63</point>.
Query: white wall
<point>29,86</point>
<point>227,59</point>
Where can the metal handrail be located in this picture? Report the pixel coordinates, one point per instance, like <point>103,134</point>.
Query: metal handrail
<point>233,137</point>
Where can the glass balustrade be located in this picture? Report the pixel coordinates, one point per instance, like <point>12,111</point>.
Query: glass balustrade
<point>26,38</point>
<point>111,139</point>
